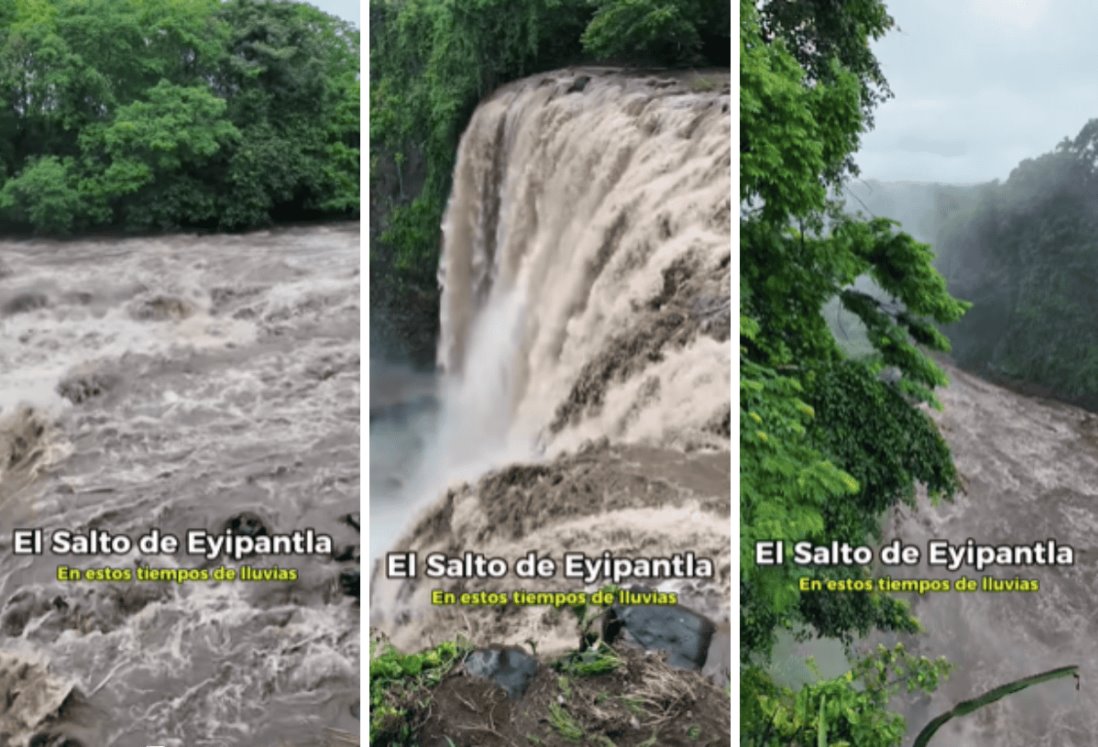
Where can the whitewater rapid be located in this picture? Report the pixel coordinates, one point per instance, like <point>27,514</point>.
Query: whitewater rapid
<point>1030,473</point>
<point>181,382</point>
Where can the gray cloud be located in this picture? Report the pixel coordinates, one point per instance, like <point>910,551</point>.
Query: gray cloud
<point>980,85</point>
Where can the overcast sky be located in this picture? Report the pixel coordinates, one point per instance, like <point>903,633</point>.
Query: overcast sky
<point>980,85</point>
<point>347,9</point>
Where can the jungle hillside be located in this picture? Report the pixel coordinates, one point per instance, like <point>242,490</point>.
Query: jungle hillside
<point>1024,252</point>
<point>829,441</point>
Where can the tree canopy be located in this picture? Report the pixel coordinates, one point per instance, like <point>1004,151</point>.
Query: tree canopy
<point>148,115</point>
<point>1026,252</point>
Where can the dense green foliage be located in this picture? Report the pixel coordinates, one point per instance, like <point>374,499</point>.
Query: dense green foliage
<point>1025,252</point>
<point>849,711</point>
<point>400,687</point>
<point>158,114</point>
<point>828,443</point>
<point>432,61</point>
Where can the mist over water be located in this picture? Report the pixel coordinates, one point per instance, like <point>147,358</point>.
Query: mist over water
<point>1029,467</point>
<point>178,383</point>
<point>584,311</point>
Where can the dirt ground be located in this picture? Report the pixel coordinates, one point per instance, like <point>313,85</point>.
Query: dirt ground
<point>643,703</point>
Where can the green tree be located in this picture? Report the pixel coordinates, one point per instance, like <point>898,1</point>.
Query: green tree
<point>155,152</point>
<point>43,196</point>
<point>664,31</point>
<point>158,114</point>
<point>829,443</point>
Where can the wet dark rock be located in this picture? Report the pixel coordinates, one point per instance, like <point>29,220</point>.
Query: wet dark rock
<point>579,84</point>
<point>352,520</point>
<point>48,739</point>
<point>679,709</point>
<point>24,302</point>
<point>721,424</point>
<point>507,666</point>
<point>682,633</point>
<point>348,552</point>
<point>21,439</point>
<point>247,524</point>
<point>350,581</point>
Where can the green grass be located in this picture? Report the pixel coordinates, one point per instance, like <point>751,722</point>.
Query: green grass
<point>401,683</point>
<point>562,721</point>
<point>589,663</point>
<point>634,705</point>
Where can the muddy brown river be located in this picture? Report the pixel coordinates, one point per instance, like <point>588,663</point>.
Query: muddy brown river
<point>180,383</point>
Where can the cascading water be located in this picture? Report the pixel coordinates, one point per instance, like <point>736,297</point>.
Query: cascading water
<point>177,383</point>
<point>584,344</point>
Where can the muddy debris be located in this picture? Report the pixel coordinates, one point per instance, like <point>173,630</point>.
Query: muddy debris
<point>579,84</point>
<point>161,308</point>
<point>350,582</point>
<point>80,386</point>
<point>641,701</point>
<point>509,667</point>
<point>33,699</point>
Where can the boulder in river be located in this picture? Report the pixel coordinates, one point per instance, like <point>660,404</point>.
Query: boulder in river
<point>247,524</point>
